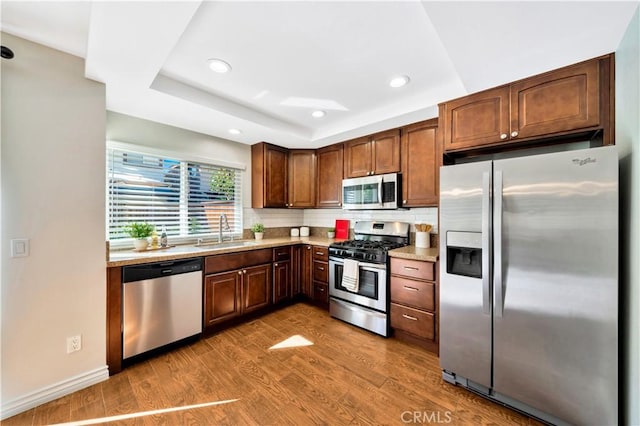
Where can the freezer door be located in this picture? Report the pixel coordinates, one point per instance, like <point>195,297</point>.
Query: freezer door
<point>465,303</point>
<point>556,283</point>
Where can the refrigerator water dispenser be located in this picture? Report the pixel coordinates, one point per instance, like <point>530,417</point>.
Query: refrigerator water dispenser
<point>464,254</point>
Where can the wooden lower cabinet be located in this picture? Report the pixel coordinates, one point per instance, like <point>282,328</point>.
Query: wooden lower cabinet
<point>234,293</point>
<point>256,288</point>
<point>236,284</point>
<point>282,274</point>
<point>222,295</point>
<point>320,276</point>
<point>305,277</point>
<point>414,302</point>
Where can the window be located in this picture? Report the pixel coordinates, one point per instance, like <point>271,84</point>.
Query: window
<point>186,198</point>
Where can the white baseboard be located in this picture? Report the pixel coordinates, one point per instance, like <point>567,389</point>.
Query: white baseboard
<point>55,391</point>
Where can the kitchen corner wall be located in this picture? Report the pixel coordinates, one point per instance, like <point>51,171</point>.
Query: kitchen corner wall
<point>53,193</point>
<point>628,142</point>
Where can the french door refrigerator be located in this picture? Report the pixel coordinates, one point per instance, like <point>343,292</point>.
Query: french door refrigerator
<point>529,282</point>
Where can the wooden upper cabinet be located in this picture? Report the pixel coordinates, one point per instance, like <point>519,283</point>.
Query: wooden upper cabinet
<point>302,178</point>
<point>269,167</point>
<point>574,99</point>
<point>385,151</point>
<point>373,155</point>
<point>357,155</point>
<point>557,101</point>
<point>475,120</point>
<point>420,164</point>
<point>329,176</point>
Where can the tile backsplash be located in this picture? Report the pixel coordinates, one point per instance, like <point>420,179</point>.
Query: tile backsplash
<point>276,218</point>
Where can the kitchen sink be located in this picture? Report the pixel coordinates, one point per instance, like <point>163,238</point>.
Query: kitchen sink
<point>228,244</point>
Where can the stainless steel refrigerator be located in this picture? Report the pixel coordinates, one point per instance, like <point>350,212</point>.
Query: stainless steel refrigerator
<point>529,282</point>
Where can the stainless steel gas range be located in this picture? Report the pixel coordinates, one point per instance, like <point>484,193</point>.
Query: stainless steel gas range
<point>358,278</point>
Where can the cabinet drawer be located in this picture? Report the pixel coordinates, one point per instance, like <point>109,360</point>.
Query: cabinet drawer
<point>281,254</point>
<point>418,323</point>
<point>419,294</point>
<point>321,271</point>
<point>228,262</point>
<point>321,253</point>
<point>413,268</point>
<point>320,292</point>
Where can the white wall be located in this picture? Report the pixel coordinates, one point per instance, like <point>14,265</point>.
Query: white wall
<point>628,141</point>
<point>137,131</point>
<point>53,166</point>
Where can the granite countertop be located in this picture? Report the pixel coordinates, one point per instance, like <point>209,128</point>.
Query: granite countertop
<point>416,253</point>
<point>131,257</point>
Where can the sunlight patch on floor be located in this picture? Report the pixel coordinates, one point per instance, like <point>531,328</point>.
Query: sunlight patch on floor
<point>292,342</point>
<point>143,413</point>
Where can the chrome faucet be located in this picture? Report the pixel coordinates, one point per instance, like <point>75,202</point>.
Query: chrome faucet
<point>223,220</point>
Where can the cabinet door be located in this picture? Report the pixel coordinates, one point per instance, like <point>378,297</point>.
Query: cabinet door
<point>256,287</point>
<point>320,293</point>
<point>330,172</point>
<point>306,271</point>
<point>476,120</point>
<point>357,161</point>
<point>281,281</point>
<point>275,184</point>
<point>385,149</point>
<point>420,165</point>
<point>302,178</point>
<point>558,101</point>
<point>222,297</point>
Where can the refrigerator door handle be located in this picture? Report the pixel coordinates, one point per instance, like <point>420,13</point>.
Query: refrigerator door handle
<point>497,243</point>
<point>486,242</point>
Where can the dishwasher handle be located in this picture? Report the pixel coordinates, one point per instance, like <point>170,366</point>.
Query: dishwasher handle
<point>149,271</point>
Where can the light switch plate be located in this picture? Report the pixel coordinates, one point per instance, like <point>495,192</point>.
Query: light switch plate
<point>20,247</point>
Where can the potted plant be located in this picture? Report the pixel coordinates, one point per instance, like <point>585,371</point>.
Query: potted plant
<point>258,230</point>
<point>139,231</point>
<point>331,232</point>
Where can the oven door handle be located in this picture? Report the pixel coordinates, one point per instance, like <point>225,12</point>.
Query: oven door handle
<point>363,265</point>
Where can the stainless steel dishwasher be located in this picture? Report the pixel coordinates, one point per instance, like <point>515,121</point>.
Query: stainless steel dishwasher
<point>162,304</point>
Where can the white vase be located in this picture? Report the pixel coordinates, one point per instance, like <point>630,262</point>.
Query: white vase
<point>331,234</point>
<point>141,244</point>
<point>259,235</point>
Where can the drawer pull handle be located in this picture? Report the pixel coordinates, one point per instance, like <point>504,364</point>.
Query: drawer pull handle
<point>409,317</point>
<point>320,268</point>
<point>412,268</point>
<point>282,254</point>
<point>411,288</point>
<point>320,289</point>
<point>319,253</point>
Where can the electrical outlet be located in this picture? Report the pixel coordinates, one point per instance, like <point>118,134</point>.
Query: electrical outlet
<point>74,343</point>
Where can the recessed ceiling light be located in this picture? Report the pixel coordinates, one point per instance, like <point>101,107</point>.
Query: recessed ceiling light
<point>218,65</point>
<point>318,114</point>
<point>399,81</point>
<point>235,131</point>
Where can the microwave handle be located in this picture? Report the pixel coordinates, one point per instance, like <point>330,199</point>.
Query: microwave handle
<point>380,191</point>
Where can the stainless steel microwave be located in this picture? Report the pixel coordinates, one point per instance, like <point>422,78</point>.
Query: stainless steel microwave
<point>371,192</point>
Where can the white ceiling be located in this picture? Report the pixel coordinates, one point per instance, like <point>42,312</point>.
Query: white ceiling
<point>292,57</point>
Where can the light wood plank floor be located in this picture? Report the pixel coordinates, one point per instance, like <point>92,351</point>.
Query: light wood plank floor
<point>347,377</point>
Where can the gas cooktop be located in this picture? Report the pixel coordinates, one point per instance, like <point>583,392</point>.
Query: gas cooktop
<point>373,241</point>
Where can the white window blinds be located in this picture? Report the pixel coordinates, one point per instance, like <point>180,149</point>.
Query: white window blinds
<point>184,198</point>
